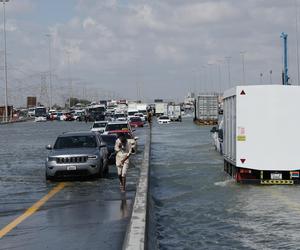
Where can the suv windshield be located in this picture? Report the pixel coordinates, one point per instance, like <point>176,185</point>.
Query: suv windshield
<point>109,139</point>
<point>88,141</point>
<point>111,127</point>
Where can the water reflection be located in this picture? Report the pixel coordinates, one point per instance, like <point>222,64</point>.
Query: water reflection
<point>124,208</point>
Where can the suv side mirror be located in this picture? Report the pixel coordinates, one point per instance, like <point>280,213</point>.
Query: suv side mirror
<point>49,147</point>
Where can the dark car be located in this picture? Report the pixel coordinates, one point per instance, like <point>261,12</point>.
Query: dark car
<point>110,141</point>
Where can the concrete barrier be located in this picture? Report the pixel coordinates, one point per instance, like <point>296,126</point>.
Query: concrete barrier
<point>17,121</point>
<point>136,234</point>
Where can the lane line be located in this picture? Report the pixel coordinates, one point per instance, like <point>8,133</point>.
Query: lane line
<point>30,211</point>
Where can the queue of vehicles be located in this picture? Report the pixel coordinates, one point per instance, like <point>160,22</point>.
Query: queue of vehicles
<point>91,152</point>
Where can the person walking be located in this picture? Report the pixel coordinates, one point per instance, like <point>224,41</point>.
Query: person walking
<point>123,152</point>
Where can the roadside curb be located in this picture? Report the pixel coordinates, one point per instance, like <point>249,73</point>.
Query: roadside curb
<point>135,238</point>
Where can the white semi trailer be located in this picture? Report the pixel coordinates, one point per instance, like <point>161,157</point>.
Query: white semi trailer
<point>161,108</point>
<point>207,109</point>
<point>261,139</point>
<point>174,113</point>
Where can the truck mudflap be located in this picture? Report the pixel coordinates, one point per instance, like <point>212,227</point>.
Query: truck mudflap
<point>250,176</point>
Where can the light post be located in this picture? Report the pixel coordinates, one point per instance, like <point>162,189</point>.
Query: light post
<point>243,62</point>
<point>50,71</point>
<point>271,72</point>
<point>70,77</point>
<point>228,58</point>
<point>261,78</point>
<point>5,58</point>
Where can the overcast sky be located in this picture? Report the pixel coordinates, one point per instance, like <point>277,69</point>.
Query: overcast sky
<point>151,49</point>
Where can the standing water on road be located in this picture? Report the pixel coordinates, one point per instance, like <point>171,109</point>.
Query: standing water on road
<point>194,205</point>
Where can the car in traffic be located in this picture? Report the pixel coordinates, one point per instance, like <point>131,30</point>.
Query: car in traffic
<point>77,154</point>
<point>142,116</point>
<point>128,135</point>
<point>99,126</point>
<point>110,141</point>
<point>117,126</point>
<point>163,119</point>
<point>136,122</point>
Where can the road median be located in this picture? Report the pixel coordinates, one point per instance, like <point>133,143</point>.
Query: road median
<point>136,232</point>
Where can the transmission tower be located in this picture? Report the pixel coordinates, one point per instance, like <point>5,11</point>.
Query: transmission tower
<point>44,96</point>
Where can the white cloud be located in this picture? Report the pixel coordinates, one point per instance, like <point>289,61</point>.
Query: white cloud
<point>169,53</point>
<point>117,43</point>
<point>206,12</point>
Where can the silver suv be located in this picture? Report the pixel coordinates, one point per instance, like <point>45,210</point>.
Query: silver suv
<point>77,154</point>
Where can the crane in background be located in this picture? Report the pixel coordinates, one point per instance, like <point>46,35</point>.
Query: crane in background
<point>285,77</point>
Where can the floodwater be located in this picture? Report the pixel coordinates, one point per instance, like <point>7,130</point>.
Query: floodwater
<point>194,205</point>
<point>89,214</point>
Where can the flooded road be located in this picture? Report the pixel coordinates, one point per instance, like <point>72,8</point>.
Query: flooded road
<point>90,214</point>
<point>194,205</point>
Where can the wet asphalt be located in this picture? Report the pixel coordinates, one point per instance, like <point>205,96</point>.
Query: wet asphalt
<point>86,214</point>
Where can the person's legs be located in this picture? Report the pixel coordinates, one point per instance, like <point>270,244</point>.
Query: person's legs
<point>124,172</point>
<point>119,169</point>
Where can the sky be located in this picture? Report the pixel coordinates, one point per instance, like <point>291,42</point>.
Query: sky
<point>138,49</point>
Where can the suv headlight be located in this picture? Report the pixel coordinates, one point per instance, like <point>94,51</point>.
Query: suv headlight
<point>92,157</point>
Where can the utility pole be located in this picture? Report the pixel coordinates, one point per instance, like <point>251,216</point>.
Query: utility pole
<point>228,58</point>
<point>211,79</point>
<point>243,63</point>
<point>44,97</point>
<point>5,59</point>
<point>70,78</point>
<point>220,76</point>
<point>50,71</point>
<point>261,78</point>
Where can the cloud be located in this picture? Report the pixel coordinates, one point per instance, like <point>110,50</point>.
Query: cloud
<point>206,12</point>
<point>115,44</point>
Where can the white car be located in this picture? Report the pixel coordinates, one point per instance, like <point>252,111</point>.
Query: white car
<point>99,126</point>
<point>40,119</point>
<point>163,119</point>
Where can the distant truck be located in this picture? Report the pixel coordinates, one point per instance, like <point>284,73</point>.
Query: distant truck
<point>174,113</point>
<point>161,109</point>
<point>261,139</point>
<point>132,109</point>
<point>207,109</point>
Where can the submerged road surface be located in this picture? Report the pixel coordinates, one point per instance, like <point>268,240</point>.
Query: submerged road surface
<point>90,214</point>
<point>195,206</point>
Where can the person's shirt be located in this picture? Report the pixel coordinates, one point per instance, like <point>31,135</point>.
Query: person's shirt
<point>122,151</point>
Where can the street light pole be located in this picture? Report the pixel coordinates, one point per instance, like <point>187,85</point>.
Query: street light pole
<point>243,62</point>
<point>50,71</point>
<point>5,59</point>
<point>70,78</point>
<point>228,58</point>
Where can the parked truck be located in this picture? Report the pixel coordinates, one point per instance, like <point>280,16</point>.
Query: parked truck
<point>206,109</point>
<point>174,113</point>
<point>261,139</point>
